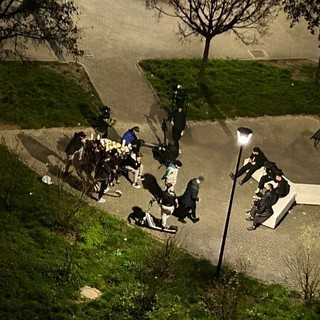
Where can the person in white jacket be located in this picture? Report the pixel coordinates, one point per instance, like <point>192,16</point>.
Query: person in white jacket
<point>171,174</point>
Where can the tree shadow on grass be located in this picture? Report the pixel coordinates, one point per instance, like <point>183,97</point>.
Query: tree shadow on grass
<point>91,116</point>
<point>212,100</point>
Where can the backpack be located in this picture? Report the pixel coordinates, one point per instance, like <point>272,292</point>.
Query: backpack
<point>168,199</point>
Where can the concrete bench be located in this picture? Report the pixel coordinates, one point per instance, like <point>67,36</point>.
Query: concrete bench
<point>283,204</point>
<point>299,193</point>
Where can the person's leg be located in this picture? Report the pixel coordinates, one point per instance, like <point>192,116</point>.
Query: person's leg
<point>249,174</point>
<point>69,163</point>
<point>176,135</point>
<point>140,171</point>
<point>103,187</point>
<point>243,169</point>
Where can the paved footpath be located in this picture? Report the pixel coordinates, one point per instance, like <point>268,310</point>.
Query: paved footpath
<point>117,34</point>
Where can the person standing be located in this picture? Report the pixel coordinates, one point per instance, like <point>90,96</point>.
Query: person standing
<point>178,121</point>
<point>256,161</point>
<point>189,199</point>
<point>168,202</point>
<point>75,146</point>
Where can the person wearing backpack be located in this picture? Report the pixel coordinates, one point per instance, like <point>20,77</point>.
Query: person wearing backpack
<point>168,202</point>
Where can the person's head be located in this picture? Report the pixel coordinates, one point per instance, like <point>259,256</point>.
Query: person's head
<point>256,150</point>
<point>278,176</point>
<point>178,164</point>
<point>200,179</point>
<point>180,108</point>
<point>269,186</point>
<point>135,130</point>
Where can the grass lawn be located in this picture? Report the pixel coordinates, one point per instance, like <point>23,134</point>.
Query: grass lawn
<point>42,271</point>
<point>237,88</point>
<point>36,95</point>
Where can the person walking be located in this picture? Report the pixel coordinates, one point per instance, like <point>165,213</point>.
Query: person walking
<point>168,202</point>
<point>256,161</point>
<point>189,199</point>
<point>178,121</point>
<point>171,174</point>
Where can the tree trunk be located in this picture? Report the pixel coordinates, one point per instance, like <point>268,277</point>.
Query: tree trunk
<point>317,73</point>
<point>204,61</point>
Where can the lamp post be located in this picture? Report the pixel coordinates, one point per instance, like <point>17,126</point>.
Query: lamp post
<point>244,135</point>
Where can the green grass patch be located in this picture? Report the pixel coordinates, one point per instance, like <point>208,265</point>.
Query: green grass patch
<point>235,88</point>
<point>37,95</point>
<point>41,271</point>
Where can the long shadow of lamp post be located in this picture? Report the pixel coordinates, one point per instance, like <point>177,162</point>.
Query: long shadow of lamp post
<point>244,135</point>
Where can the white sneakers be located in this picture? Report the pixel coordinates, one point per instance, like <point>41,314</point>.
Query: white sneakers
<point>101,200</point>
<point>135,185</point>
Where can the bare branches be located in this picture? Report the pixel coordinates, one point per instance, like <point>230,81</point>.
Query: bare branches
<point>40,21</point>
<point>208,18</point>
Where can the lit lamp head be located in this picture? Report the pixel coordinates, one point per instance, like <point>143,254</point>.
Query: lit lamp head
<point>244,135</point>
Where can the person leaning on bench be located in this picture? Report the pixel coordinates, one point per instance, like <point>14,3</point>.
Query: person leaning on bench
<point>256,161</point>
<point>261,209</point>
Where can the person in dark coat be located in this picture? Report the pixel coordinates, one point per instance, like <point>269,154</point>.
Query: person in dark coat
<point>271,170</point>
<point>256,161</point>
<point>75,146</point>
<point>189,199</point>
<point>261,210</point>
<point>283,187</point>
<point>178,121</point>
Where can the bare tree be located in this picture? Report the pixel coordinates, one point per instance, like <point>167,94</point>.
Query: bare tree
<point>309,10</point>
<point>40,21</point>
<point>248,19</point>
<point>304,265</point>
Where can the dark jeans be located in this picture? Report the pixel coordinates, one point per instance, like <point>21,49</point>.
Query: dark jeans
<point>176,135</point>
<point>248,167</point>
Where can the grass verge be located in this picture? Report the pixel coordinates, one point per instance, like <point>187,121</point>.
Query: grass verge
<point>36,95</point>
<point>41,271</point>
<point>235,88</point>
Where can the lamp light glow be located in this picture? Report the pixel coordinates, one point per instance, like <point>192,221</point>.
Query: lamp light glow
<point>244,135</point>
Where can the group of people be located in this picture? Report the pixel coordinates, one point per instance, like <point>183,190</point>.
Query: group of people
<point>261,208</point>
<point>103,165</point>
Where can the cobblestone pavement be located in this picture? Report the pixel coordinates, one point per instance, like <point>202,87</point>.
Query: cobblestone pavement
<point>117,34</point>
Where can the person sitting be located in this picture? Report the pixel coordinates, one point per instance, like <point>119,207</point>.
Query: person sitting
<point>261,210</point>
<point>283,187</point>
<point>270,174</point>
<point>256,161</point>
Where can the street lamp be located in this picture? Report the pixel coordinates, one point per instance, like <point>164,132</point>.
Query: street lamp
<point>244,135</point>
